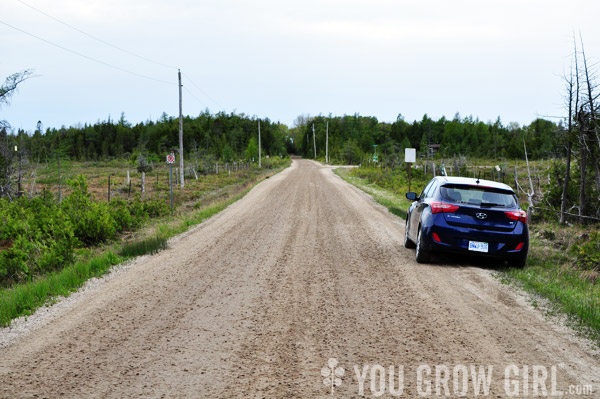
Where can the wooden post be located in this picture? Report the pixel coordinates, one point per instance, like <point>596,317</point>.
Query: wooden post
<point>180,132</point>
<point>327,144</point>
<point>314,141</point>
<point>108,188</point>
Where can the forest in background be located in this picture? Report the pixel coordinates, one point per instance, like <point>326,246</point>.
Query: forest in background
<point>353,139</point>
<point>353,136</point>
<point>229,137</point>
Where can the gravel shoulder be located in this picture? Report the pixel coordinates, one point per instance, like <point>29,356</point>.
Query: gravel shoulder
<point>253,302</point>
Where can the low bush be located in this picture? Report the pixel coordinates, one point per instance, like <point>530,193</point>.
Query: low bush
<point>38,235</point>
<point>587,250</point>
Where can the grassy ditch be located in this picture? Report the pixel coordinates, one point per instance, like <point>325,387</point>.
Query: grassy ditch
<point>563,265</point>
<point>393,201</point>
<point>22,298</point>
<point>557,270</point>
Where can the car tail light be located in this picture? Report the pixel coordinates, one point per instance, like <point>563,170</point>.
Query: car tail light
<point>438,207</point>
<point>518,247</point>
<point>436,237</point>
<point>520,216</point>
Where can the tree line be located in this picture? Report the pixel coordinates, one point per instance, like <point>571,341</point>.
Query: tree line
<point>224,136</point>
<point>353,136</point>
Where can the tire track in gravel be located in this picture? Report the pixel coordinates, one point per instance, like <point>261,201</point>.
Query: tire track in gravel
<point>253,302</point>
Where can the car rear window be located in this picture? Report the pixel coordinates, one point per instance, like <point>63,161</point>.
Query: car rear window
<point>477,195</point>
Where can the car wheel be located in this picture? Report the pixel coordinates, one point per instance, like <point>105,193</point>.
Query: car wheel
<point>518,263</point>
<point>422,256</point>
<point>407,241</point>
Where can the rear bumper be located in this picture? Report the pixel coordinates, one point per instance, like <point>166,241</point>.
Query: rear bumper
<point>502,245</point>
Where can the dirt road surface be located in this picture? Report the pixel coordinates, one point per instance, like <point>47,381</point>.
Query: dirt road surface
<point>255,301</point>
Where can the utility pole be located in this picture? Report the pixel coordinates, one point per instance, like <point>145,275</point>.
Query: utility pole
<point>327,144</point>
<point>59,177</point>
<point>259,158</point>
<point>314,142</point>
<point>180,132</point>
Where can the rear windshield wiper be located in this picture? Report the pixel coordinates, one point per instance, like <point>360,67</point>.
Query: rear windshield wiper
<point>490,205</point>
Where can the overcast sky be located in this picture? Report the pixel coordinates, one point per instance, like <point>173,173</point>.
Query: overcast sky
<point>279,59</point>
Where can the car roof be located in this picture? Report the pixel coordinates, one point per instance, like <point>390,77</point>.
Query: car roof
<point>474,182</point>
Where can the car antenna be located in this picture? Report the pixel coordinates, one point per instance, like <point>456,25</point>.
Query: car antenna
<point>478,174</point>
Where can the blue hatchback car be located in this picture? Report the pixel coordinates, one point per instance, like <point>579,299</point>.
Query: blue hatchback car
<point>469,216</point>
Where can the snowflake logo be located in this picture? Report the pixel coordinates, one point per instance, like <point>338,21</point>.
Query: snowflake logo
<point>333,375</point>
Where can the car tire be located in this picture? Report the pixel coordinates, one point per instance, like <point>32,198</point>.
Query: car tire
<point>518,263</point>
<point>407,241</point>
<point>421,255</point>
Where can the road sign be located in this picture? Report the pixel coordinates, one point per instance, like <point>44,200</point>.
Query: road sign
<point>410,155</point>
<point>171,158</point>
<point>375,157</point>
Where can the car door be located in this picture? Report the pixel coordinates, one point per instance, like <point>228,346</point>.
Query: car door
<point>417,209</point>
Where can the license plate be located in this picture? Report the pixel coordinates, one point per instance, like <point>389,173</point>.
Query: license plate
<point>478,246</point>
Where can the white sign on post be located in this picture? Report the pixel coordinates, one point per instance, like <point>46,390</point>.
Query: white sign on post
<point>410,155</point>
<point>171,158</point>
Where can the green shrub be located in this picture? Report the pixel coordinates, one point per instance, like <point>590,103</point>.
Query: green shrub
<point>154,208</point>
<point>92,222</point>
<point>587,250</point>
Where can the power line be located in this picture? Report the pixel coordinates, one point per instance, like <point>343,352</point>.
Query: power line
<point>115,47</point>
<point>196,98</point>
<point>87,57</point>
<point>202,91</point>
<point>94,37</point>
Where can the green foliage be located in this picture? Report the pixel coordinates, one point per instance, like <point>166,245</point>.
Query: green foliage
<point>36,236</point>
<point>91,221</point>
<point>155,208</point>
<point>148,246</point>
<point>227,153</point>
<point>351,152</point>
<point>587,250</point>
<point>220,136</point>
<point>567,289</point>
<point>252,150</point>
<point>25,298</point>
<point>39,235</point>
<point>143,165</point>
<point>351,138</point>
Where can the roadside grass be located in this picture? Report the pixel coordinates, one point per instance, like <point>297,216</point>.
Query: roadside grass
<point>553,271</point>
<point>395,203</point>
<point>24,298</point>
<point>145,246</point>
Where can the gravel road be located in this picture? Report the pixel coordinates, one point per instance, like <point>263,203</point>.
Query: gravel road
<point>255,301</point>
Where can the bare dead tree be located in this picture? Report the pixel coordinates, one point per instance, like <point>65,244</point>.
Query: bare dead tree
<point>531,193</point>
<point>7,155</point>
<point>9,87</point>
<point>7,166</point>
<point>591,126</point>
<point>571,98</point>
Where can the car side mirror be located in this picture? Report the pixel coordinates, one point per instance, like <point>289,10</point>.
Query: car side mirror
<point>411,196</point>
